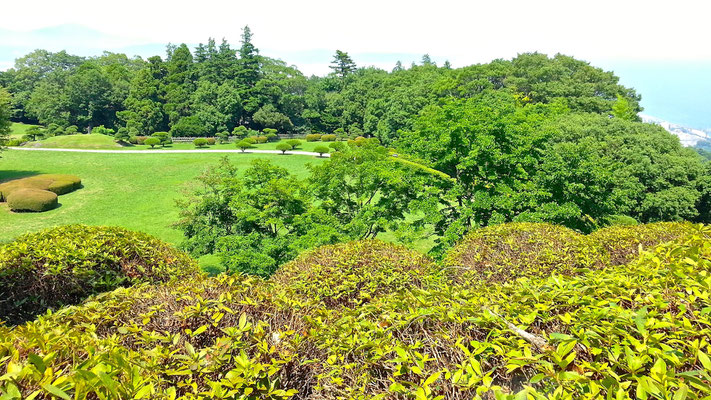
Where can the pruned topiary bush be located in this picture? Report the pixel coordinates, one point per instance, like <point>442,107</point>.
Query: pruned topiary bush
<point>65,264</point>
<point>57,183</point>
<point>313,137</point>
<point>510,251</point>
<point>350,274</point>
<point>36,200</point>
<point>621,244</point>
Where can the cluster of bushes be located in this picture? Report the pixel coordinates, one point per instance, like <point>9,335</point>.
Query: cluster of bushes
<point>63,265</point>
<point>372,320</point>
<point>202,142</point>
<point>315,137</point>
<point>510,251</point>
<point>37,193</point>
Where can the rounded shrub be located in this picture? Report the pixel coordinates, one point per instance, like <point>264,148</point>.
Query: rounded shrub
<point>36,200</point>
<point>250,140</point>
<point>313,137</point>
<point>200,142</point>
<point>272,137</point>
<point>141,140</point>
<point>321,150</point>
<point>63,265</point>
<point>328,138</point>
<point>211,141</point>
<point>243,144</point>
<point>508,251</point>
<point>349,274</point>
<point>152,141</point>
<point>294,143</point>
<point>260,139</point>
<point>621,244</point>
<point>283,147</point>
<point>14,142</point>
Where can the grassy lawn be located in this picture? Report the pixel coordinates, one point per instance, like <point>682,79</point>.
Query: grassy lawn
<point>78,142</point>
<point>18,129</point>
<point>96,141</point>
<point>136,191</point>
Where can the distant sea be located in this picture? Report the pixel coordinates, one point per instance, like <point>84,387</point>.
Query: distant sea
<point>678,92</point>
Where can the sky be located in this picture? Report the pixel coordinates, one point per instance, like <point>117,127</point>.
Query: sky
<point>647,43</point>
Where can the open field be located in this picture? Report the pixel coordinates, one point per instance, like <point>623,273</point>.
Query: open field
<point>97,141</point>
<point>134,191</point>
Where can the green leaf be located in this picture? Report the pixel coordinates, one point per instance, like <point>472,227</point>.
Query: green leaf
<point>56,391</point>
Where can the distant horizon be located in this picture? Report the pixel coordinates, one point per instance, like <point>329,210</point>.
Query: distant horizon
<point>672,90</point>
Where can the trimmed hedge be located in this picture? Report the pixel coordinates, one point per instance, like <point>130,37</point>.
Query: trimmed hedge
<point>510,251</point>
<point>63,265</point>
<point>36,200</point>
<point>57,183</point>
<point>621,244</point>
<point>350,274</point>
<point>328,138</point>
<point>313,137</point>
<point>623,332</point>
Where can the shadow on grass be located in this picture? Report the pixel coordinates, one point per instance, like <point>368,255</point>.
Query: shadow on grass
<point>8,175</point>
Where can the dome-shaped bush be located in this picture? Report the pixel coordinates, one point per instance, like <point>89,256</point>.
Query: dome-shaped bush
<point>65,264</point>
<point>352,273</point>
<point>509,251</point>
<point>621,244</point>
<point>36,200</point>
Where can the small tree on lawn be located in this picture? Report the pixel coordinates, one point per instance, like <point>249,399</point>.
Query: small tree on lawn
<point>224,137</point>
<point>200,142</point>
<point>243,145</point>
<point>152,141</point>
<point>239,131</point>
<point>294,143</point>
<point>283,147</point>
<point>163,137</point>
<point>33,133</point>
<point>321,150</point>
<point>122,135</point>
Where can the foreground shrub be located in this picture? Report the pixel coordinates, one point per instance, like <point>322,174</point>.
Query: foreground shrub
<point>152,141</point>
<point>294,143</point>
<point>622,332</point>
<point>64,265</point>
<point>141,140</point>
<point>283,147</point>
<point>635,331</point>
<point>510,251</point>
<point>352,273</point>
<point>328,138</point>
<point>200,142</point>
<point>145,342</point>
<point>621,244</point>
<point>313,137</point>
<point>211,141</point>
<point>36,200</point>
<point>243,145</point>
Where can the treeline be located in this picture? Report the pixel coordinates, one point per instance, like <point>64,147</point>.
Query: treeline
<point>215,88</point>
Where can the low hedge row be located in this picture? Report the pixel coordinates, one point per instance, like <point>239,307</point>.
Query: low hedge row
<point>635,331</point>
<point>63,265</point>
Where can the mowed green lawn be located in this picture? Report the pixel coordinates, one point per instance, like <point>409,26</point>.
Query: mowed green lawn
<point>136,191</point>
<point>78,142</point>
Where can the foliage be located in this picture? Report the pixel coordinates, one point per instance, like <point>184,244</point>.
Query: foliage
<point>28,199</point>
<point>152,141</point>
<point>188,127</point>
<point>64,265</point>
<point>164,138</point>
<point>321,150</point>
<point>283,147</point>
<point>353,273</point>
<point>328,138</point>
<point>515,250</point>
<point>313,137</point>
<point>243,145</point>
<point>200,142</point>
<point>5,114</point>
<point>619,332</point>
<point>294,143</point>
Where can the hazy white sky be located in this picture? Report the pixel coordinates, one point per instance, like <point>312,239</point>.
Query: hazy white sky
<point>464,32</point>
